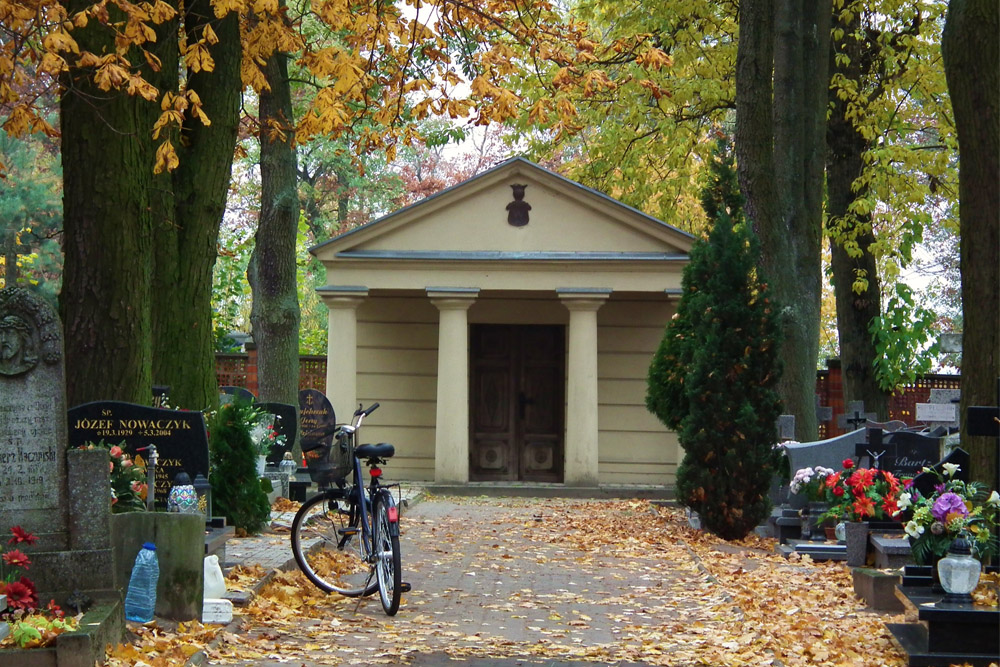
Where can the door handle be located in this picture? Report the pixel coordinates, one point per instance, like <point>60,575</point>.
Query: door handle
<point>523,402</point>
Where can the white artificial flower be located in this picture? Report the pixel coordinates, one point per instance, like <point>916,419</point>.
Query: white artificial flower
<point>914,529</point>
<point>904,501</point>
<point>994,499</point>
<point>950,469</point>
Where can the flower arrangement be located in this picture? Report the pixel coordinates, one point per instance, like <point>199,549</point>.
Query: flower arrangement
<point>934,521</point>
<point>810,481</point>
<point>20,592</point>
<point>128,478</point>
<point>30,625</point>
<point>860,494</point>
<point>263,432</point>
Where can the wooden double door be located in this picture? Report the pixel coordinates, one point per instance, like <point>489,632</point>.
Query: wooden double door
<point>517,402</point>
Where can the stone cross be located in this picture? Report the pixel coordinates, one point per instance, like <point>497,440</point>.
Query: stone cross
<point>855,416</point>
<point>786,427</point>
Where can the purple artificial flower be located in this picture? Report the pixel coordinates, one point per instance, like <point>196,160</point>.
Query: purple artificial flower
<point>947,504</point>
<point>939,488</point>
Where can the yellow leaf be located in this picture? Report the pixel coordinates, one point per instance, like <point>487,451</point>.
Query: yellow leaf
<point>166,158</point>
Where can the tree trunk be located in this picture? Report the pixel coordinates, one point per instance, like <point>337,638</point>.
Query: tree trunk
<point>274,316</point>
<point>855,310</point>
<point>781,151</point>
<point>107,172</point>
<point>186,243</point>
<point>971,57</point>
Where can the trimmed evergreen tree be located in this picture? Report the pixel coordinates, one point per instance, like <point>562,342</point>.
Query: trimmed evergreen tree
<point>712,379</point>
<point>236,490</point>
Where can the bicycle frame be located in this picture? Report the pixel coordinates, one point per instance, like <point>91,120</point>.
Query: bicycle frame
<point>371,518</point>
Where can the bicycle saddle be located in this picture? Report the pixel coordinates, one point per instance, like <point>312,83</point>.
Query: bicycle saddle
<point>382,450</point>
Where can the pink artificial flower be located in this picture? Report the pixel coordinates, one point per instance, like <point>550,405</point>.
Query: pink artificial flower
<point>116,451</point>
<point>126,462</point>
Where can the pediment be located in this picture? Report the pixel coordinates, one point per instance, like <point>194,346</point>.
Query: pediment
<point>472,220</point>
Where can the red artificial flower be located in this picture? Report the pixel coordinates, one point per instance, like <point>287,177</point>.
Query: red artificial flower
<point>889,505</point>
<point>848,464</point>
<point>861,479</point>
<point>864,506</point>
<point>16,558</point>
<point>892,480</point>
<point>55,609</point>
<point>832,481</point>
<point>21,594</point>
<point>838,491</point>
<point>21,535</point>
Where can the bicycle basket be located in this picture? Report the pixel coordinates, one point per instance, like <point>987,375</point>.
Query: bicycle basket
<point>330,461</point>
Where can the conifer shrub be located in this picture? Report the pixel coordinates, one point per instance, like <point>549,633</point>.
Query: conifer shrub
<point>237,493</point>
<point>712,379</point>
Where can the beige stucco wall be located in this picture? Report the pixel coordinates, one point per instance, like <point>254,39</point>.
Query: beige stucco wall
<point>634,447</point>
<point>397,365</point>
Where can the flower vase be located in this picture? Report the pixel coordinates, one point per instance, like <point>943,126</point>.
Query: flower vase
<point>816,529</point>
<point>261,462</point>
<point>856,538</point>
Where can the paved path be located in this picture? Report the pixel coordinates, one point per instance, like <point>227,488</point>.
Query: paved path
<point>497,583</point>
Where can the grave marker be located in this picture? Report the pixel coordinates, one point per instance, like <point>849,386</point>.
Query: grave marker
<point>855,417</point>
<point>62,497</point>
<point>786,427</point>
<point>227,394</point>
<point>179,435</point>
<point>903,453</point>
<point>316,419</point>
<point>985,420</point>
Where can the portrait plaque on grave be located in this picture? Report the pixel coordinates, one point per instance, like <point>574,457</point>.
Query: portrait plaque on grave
<point>179,435</point>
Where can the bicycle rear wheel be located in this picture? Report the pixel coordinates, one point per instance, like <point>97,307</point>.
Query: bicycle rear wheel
<point>329,547</point>
<point>388,566</point>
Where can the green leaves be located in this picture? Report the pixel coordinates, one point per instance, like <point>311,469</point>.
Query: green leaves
<point>903,338</point>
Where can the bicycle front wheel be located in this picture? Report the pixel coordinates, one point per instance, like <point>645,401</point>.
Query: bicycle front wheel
<point>388,567</point>
<point>329,547</point>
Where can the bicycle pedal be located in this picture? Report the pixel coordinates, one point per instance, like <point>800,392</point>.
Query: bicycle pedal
<point>404,587</point>
<point>348,531</point>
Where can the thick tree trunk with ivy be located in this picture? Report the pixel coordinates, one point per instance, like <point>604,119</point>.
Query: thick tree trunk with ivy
<point>186,241</point>
<point>780,144</point>
<point>972,67</point>
<point>107,172</point>
<point>274,316</point>
<point>851,238</point>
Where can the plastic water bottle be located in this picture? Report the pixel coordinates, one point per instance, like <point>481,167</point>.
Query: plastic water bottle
<point>140,600</point>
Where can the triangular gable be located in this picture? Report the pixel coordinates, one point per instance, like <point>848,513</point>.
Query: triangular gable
<point>470,220</point>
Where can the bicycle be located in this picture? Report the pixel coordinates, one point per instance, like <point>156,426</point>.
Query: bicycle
<point>361,523</point>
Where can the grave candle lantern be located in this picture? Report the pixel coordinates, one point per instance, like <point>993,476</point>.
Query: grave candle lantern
<point>203,489</point>
<point>959,572</point>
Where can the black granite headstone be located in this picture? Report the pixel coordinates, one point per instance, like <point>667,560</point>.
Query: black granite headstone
<point>284,424</point>
<point>179,435</point>
<point>903,453</point>
<point>316,419</point>
<point>228,393</point>
<point>926,481</point>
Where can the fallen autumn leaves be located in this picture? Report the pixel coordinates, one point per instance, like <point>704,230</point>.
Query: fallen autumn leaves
<point>604,581</point>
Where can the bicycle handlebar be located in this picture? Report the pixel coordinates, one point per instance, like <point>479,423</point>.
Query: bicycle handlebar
<point>364,412</point>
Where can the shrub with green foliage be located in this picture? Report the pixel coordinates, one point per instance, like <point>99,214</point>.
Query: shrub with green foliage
<point>712,379</point>
<point>237,493</point>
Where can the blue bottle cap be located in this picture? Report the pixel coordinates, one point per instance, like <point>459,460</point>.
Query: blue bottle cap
<point>149,545</point>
